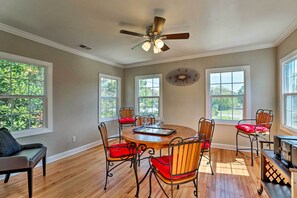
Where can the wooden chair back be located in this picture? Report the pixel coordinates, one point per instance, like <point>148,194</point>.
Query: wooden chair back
<point>126,112</point>
<point>186,155</point>
<point>264,117</point>
<point>152,119</point>
<point>104,135</point>
<point>206,127</point>
<point>139,120</point>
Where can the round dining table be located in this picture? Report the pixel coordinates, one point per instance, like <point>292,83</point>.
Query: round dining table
<point>148,141</point>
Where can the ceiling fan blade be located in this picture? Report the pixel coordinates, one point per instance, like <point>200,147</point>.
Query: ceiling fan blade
<point>165,48</point>
<point>158,24</point>
<point>176,36</point>
<point>132,33</point>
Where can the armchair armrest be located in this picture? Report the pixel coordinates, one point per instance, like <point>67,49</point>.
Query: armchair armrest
<point>13,163</point>
<point>31,146</point>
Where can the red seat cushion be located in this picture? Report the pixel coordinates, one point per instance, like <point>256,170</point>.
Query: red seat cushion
<point>206,145</point>
<point>126,120</point>
<point>120,150</point>
<point>163,166</point>
<point>250,128</point>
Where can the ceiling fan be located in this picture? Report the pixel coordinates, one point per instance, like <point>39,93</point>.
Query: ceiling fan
<point>154,36</point>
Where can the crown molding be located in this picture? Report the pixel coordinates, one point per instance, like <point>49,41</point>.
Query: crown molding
<point>23,34</point>
<point>286,33</point>
<point>213,53</point>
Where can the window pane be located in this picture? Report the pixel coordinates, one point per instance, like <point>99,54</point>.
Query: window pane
<point>4,106</point>
<point>36,88</point>
<point>237,114</point>
<point>20,106</point>
<point>238,102</point>
<point>226,89</point>
<point>216,112</point>
<point>19,70</point>
<point>215,78</point>
<point>36,120</point>
<point>4,68</point>
<point>215,89</point>
<point>226,77</point>
<point>238,77</point>
<point>238,89</point>
<point>4,86</point>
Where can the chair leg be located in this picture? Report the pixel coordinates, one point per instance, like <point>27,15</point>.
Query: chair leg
<point>30,181</point>
<point>257,143</point>
<point>120,133</point>
<point>44,165</point>
<point>106,175</point>
<point>6,177</point>
<point>237,143</point>
<point>209,156</point>
<point>150,183</point>
<point>252,152</point>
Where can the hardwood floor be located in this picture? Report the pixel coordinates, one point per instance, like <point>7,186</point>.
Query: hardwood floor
<point>83,175</point>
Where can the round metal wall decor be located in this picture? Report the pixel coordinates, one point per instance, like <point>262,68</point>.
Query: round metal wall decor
<point>182,76</point>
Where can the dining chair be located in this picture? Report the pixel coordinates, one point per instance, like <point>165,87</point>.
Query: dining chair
<point>180,166</point>
<point>253,129</point>
<point>121,153</point>
<point>140,120</point>
<point>206,127</point>
<point>125,118</point>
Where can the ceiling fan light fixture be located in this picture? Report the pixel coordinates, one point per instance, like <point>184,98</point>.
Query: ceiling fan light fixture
<point>159,43</point>
<point>146,46</point>
<point>157,50</point>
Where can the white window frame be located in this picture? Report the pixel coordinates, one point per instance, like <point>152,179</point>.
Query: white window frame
<point>118,79</point>
<point>48,94</point>
<point>247,92</point>
<point>137,78</point>
<point>283,61</point>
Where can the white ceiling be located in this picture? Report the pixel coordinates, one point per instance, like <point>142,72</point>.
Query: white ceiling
<point>215,26</point>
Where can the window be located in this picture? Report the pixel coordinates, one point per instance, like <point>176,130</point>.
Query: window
<point>227,94</point>
<point>109,97</point>
<point>25,95</point>
<point>289,92</point>
<point>149,95</point>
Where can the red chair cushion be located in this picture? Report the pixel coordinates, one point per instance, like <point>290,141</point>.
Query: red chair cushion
<point>163,166</point>
<point>206,145</point>
<point>120,150</point>
<point>250,128</point>
<point>126,120</point>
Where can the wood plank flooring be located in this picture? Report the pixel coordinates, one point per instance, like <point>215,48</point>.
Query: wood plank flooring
<point>83,175</point>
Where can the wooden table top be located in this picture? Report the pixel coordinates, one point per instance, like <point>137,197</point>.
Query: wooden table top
<point>157,141</point>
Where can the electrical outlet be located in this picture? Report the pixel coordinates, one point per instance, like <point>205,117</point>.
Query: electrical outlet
<point>74,139</point>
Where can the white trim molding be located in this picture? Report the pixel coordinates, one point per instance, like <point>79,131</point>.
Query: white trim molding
<point>39,39</point>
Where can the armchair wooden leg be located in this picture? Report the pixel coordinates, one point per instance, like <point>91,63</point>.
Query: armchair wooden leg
<point>6,177</point>
<point>30,182</point>
<point>44,165</point>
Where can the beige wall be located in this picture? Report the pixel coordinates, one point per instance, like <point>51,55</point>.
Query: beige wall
<point>185,105</point>
<point>75,93</point>
<point>286,47</point>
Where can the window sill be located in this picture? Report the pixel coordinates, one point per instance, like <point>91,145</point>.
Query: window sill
<point>31,132</point>
<point>229,123</point>
<point>108,119</point>
<point>288,130</point>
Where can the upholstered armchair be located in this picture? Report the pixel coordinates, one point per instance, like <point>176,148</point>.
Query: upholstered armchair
<point>15,157</point>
